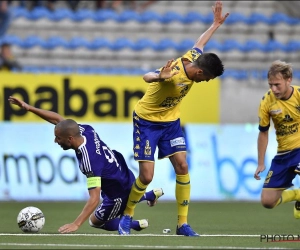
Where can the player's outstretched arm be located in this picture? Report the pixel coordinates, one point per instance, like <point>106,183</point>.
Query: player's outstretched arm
<point>88,209</point>
<point>165,73</point>
<point>218,21</point>
<point>47,115</point>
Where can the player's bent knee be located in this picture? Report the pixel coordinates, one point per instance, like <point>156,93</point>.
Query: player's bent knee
<point>146,179</point>
<point>182,169</point>
<point>268,204</point>
<point>95,225</point>
<point>91,223</point>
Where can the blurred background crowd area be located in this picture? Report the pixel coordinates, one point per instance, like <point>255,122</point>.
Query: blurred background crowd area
<point>143,35</point>
<point>134,37</point>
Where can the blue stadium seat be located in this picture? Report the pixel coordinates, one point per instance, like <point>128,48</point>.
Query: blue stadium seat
<point>83,14</point>
<point>272,45</point>
<point>148,16</point>
<point>18,12</point>
<point>213,44</point>
<point>185,44</point>
<point>126,15</point>
<point>193,16</point>
<point>32,41</point>
<point>11,39</point>
<point>251,45</point>
<point>120,43</point>
<point>54,41</point>
<point>61,14</point>
<point>296,74</point>
<point>292,46</point>
<point>258,74</point>
<point>39,12</point>
<point>98,43</point>
<point>77,42</point>
<point>171,16</point>
<point>236,74</point>
<point>230,44</point>
<point>208,19</point>
<point>104,14</point>
<point>164,44</point>
<point>255,18</point>
<point>278,17</point>
<point>235,17</point>
<point>142,43</point>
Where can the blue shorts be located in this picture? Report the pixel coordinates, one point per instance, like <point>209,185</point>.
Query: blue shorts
<point>147,135</point>
<point>282,170</point>
<point>110,209</point>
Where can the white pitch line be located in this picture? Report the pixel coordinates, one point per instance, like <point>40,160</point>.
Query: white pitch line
<point>132,246</point>
<point>131,235</point>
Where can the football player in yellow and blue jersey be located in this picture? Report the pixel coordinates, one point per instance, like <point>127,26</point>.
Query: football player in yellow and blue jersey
<point>156,122</point>
<point>281,104</point>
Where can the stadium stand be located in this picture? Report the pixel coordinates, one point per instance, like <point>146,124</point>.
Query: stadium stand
<point>97,41</point>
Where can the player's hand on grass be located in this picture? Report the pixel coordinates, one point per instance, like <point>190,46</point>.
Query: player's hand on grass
<point>68,228</point>
<point>259,169</point>
<point>166,71</point>
<point>18,102</point>
<point>217,10</point>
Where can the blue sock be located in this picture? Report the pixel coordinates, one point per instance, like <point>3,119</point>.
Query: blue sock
<point>112,225</point>
<point>135,225</point>
<point>148,196</point>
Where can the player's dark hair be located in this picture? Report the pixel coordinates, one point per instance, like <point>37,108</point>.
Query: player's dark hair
<point>210,63</point>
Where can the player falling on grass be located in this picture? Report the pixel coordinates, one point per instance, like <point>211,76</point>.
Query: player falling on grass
<point>156,122</point>
<point>106,171</point>
<point>281,104</point>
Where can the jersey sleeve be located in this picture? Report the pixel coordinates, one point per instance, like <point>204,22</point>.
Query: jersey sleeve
<point>263,115</point>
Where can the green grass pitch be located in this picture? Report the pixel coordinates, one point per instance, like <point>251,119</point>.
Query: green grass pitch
<point>222,225</point>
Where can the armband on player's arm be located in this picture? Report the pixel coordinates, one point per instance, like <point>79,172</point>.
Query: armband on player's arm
<point>93,182</point>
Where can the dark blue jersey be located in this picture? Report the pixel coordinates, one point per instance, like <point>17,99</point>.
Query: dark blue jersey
<point>96,159</point>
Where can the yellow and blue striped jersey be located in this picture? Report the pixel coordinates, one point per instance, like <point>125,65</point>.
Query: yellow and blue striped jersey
<point>285,115</point>
<point>161,102</point>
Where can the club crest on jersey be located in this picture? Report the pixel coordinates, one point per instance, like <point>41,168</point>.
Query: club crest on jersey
<point>275,112</point>
<point>288,118</point>
<point>147,150</point>
<point>177,141</point>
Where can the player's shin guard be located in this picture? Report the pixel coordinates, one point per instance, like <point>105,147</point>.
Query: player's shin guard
<point>137,191</point>
<point>183,189</point>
